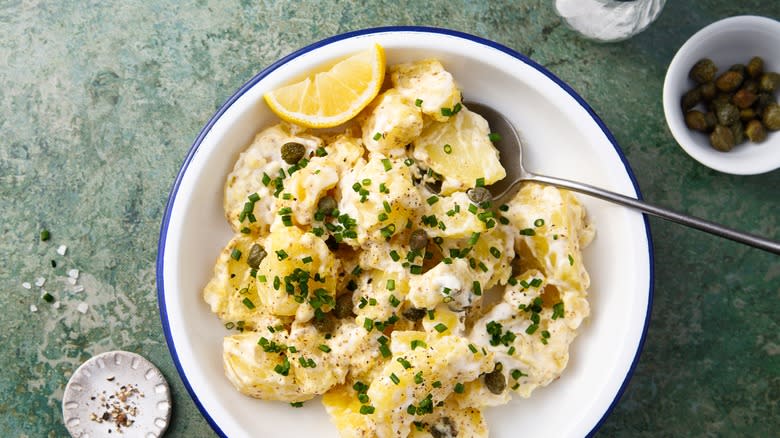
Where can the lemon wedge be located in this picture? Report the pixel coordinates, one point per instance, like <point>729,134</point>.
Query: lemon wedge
<point>331,97</point>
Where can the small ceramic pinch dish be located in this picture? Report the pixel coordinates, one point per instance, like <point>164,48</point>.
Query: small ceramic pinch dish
<point>727,42</point>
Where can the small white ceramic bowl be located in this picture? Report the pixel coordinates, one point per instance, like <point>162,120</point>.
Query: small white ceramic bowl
<point>563,137</point>
<point>726,42</point>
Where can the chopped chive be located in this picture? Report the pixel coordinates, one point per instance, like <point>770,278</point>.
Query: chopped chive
<point>527,232</point>
<point>456,109</point>
<point>539,222</point>
<point>385,350</point>
<point>386,206</point>
<point>254,197</point>
<point>432,200</point>
<point>266,179</point>
<point>377,136</point>
<point>324,348</point>
<point>405,363</point>
<point>356,187</point>
<point>495,252</point>
<point>474,238</point>
<point>307,259</point>
<point>473,348</point>
<point>383,188</point>
<point>235,254</point>
<point>418,378</point>
<point>281,254</point>
<point>394,255</point>
<point>415,269</point>
<point>459,388</point>
<point>536,282</point>
<point>571,260</point>
<point>296,404</point>
<point>320,152</point>
<point>418,102</point>
<point>557,310</point>
<point>532,328</point>
<point>511,350</point>
<point>494,137</point>
<point>393,300</point>
<point>431,314</point>
<point>387,164</point>
<point>446,112</point>
<point>366,182</point>
<point>395,378</point>
<point>261,278</point>
<point>366,409</point>
<point>441,328</point>
<point>477,287</point>
<point>418,343</point>
<point>368,324</point>
<point>517,374</point>
<point>504,207</point>
<point>480,182</point>
<point>472,209</point>
<point>287,220</point>
<point>408,162</point>
<point>381,217</point>
<point>447,149</point>
<point>245,230</point>
<point>391,285</point>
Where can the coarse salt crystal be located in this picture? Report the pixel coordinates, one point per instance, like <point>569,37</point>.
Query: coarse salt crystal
<point>71,280</point>
<point>73,273</point>
<point>56,305</point>
<point>40,281</point>
<point>82,307</point>
<point>78,288</point>
<point>26,285</point>
<point>33,308</point>
<point>61,250</point>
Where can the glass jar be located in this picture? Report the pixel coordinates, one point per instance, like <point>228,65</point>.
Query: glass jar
<point>609,20</point>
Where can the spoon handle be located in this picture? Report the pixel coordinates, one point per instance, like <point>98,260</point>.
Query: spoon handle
<point>693,222</point>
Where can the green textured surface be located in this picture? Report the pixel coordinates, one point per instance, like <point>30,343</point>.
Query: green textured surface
<point>101,101</point>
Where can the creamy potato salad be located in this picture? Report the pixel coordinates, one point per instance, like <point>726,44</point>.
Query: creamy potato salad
<point>370,268</point>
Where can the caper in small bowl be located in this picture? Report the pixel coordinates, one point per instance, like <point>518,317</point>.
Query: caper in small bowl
<point>721,93</point>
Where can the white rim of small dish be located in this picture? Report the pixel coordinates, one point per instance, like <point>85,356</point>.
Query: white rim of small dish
<point>172,323</point>
<point>746,159</point>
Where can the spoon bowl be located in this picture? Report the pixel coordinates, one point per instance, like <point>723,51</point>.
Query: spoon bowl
<point>511,154</point>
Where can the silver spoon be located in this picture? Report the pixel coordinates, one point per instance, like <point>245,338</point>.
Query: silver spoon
<point>511,151</point>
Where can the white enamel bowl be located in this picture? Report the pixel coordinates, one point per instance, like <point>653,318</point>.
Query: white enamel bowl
<point>563,137</point>
<point>726,42</point>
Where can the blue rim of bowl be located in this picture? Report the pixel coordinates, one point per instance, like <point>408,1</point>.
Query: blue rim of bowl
<point>420,29</point>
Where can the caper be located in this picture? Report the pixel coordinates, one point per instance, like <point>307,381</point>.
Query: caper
<point>696,120</point>
<point>771,117</point>
<point>703,71</point>
<point>256,255</point>
<point>722,138</point>
<point>744,98</point>
<point>690,99</point>
<point>769,82</point>
<point>755,131</point>
<point>326,205</point>
<point>444,428</point>
<point>708,91</point>
<point>726,114</point>
<point>414,314</point>
<point>292,152</point>
<point>418,240</point>
<point>729,81</point>
<point>495,381</point>
<point>479,195</point>
<point>755,67</point>
<point>738,131</point>
<point>324,323</point>
<point>343,308</point>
